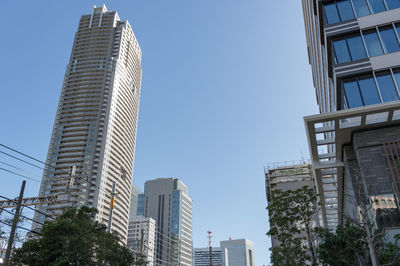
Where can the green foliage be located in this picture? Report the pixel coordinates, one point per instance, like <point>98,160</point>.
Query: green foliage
<point>291,216</point>
<point>346,246</point>
<point>75,238</point>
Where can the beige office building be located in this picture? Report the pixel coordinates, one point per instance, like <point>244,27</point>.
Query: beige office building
<point>94,134</point>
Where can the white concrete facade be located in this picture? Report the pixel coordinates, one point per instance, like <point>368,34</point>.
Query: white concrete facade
<point>148,225</point>
<point>238,252</point>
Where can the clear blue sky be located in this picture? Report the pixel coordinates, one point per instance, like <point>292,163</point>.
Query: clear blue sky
<point>225,86</point>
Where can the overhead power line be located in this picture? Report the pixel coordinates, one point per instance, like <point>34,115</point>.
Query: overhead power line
<point>23,216</point>
<point>21,160</point>
<point>24,176</point>
<point>44,163</point>
<point>22,228</point>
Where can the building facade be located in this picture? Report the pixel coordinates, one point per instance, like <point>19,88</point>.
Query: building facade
<point>354,52</point>
<point>142,228</point>
<point>201,257</point>
<point>166,200</point>
<point>289,176</point>
<point>238,252</point>
<point>135,191</point>
<point>94,134</point>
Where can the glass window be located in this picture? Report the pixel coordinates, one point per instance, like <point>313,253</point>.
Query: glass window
<point>383,202</point>
<point>345,10</point>
<point>386,87</point>
<point>392,4</point>
<point>389,39</point>
<point>331,13</point>
<point>352,94</point>
<point>397,77</point>
<point>361,8</point>
<point>398,29</point>
<point>368,91</point>
<point>341,51</point>
<point>373,44</point>
<point>390,202</point>
<point>376,6</point>
<point>356,47</point>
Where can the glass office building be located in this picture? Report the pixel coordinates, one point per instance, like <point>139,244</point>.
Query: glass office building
<point>354,52</point>
<point>166,200</point>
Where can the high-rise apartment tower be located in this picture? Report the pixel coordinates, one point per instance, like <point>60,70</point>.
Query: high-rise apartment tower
<point>166,200</point>
<point>93,139</point>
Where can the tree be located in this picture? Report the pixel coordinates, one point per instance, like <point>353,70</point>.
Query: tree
<point>345,246</point>
<point>75,238</point>
<point>348,245</point>
<point>291,215</point>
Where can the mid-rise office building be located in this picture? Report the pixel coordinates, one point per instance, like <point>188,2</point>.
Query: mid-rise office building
<point>289,176</point>
<point>201,257</point>
<point>166,200</point>
<point>238,252</point>
<point>354,52</point>
<point>94,134</point>
<point>141,237</point>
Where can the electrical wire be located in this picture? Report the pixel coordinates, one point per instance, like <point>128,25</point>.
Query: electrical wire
<point>21,160</point>
<point>22,153</point>
<point>24,176</point>
<point>22,228</point>
<point>23,216</point>
<point>44,163</point>
<point>11,166</point>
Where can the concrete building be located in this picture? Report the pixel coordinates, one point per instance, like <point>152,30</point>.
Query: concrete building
<point>93,139</point>
<point>135,191</point>
<point>288,176</point>
<point>354,52</point>
<point>166,200</point>
<point>239,252</point>
<point>201,257</point>
<point>139,225</point>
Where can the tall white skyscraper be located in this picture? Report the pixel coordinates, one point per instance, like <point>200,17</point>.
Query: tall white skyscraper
<point>93,139</point>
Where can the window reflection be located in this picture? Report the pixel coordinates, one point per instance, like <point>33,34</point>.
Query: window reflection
<point>345,10</point>
<point>353,96</point>
<point>341,51</point>
<point>385,211</point>
<point>393,4</point>
<point>373,44</point>
<point>361,8</point>
<point>331,13</point>
<point>376,6</point>
<point>339,11</point>
<point>369,89</point>
<point>389,39</point>
<point>386,87</point>
<point>356,48</point>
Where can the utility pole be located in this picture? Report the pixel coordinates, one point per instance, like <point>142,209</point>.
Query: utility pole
<point>111,207</point>
<point>141,241</point>
<point>14,224</point>
<point>210,246</point>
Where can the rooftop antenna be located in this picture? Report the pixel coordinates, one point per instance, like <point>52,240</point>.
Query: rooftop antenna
<point>210,246</point>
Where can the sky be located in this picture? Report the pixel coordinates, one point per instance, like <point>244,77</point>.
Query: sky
<point>225,86</point>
